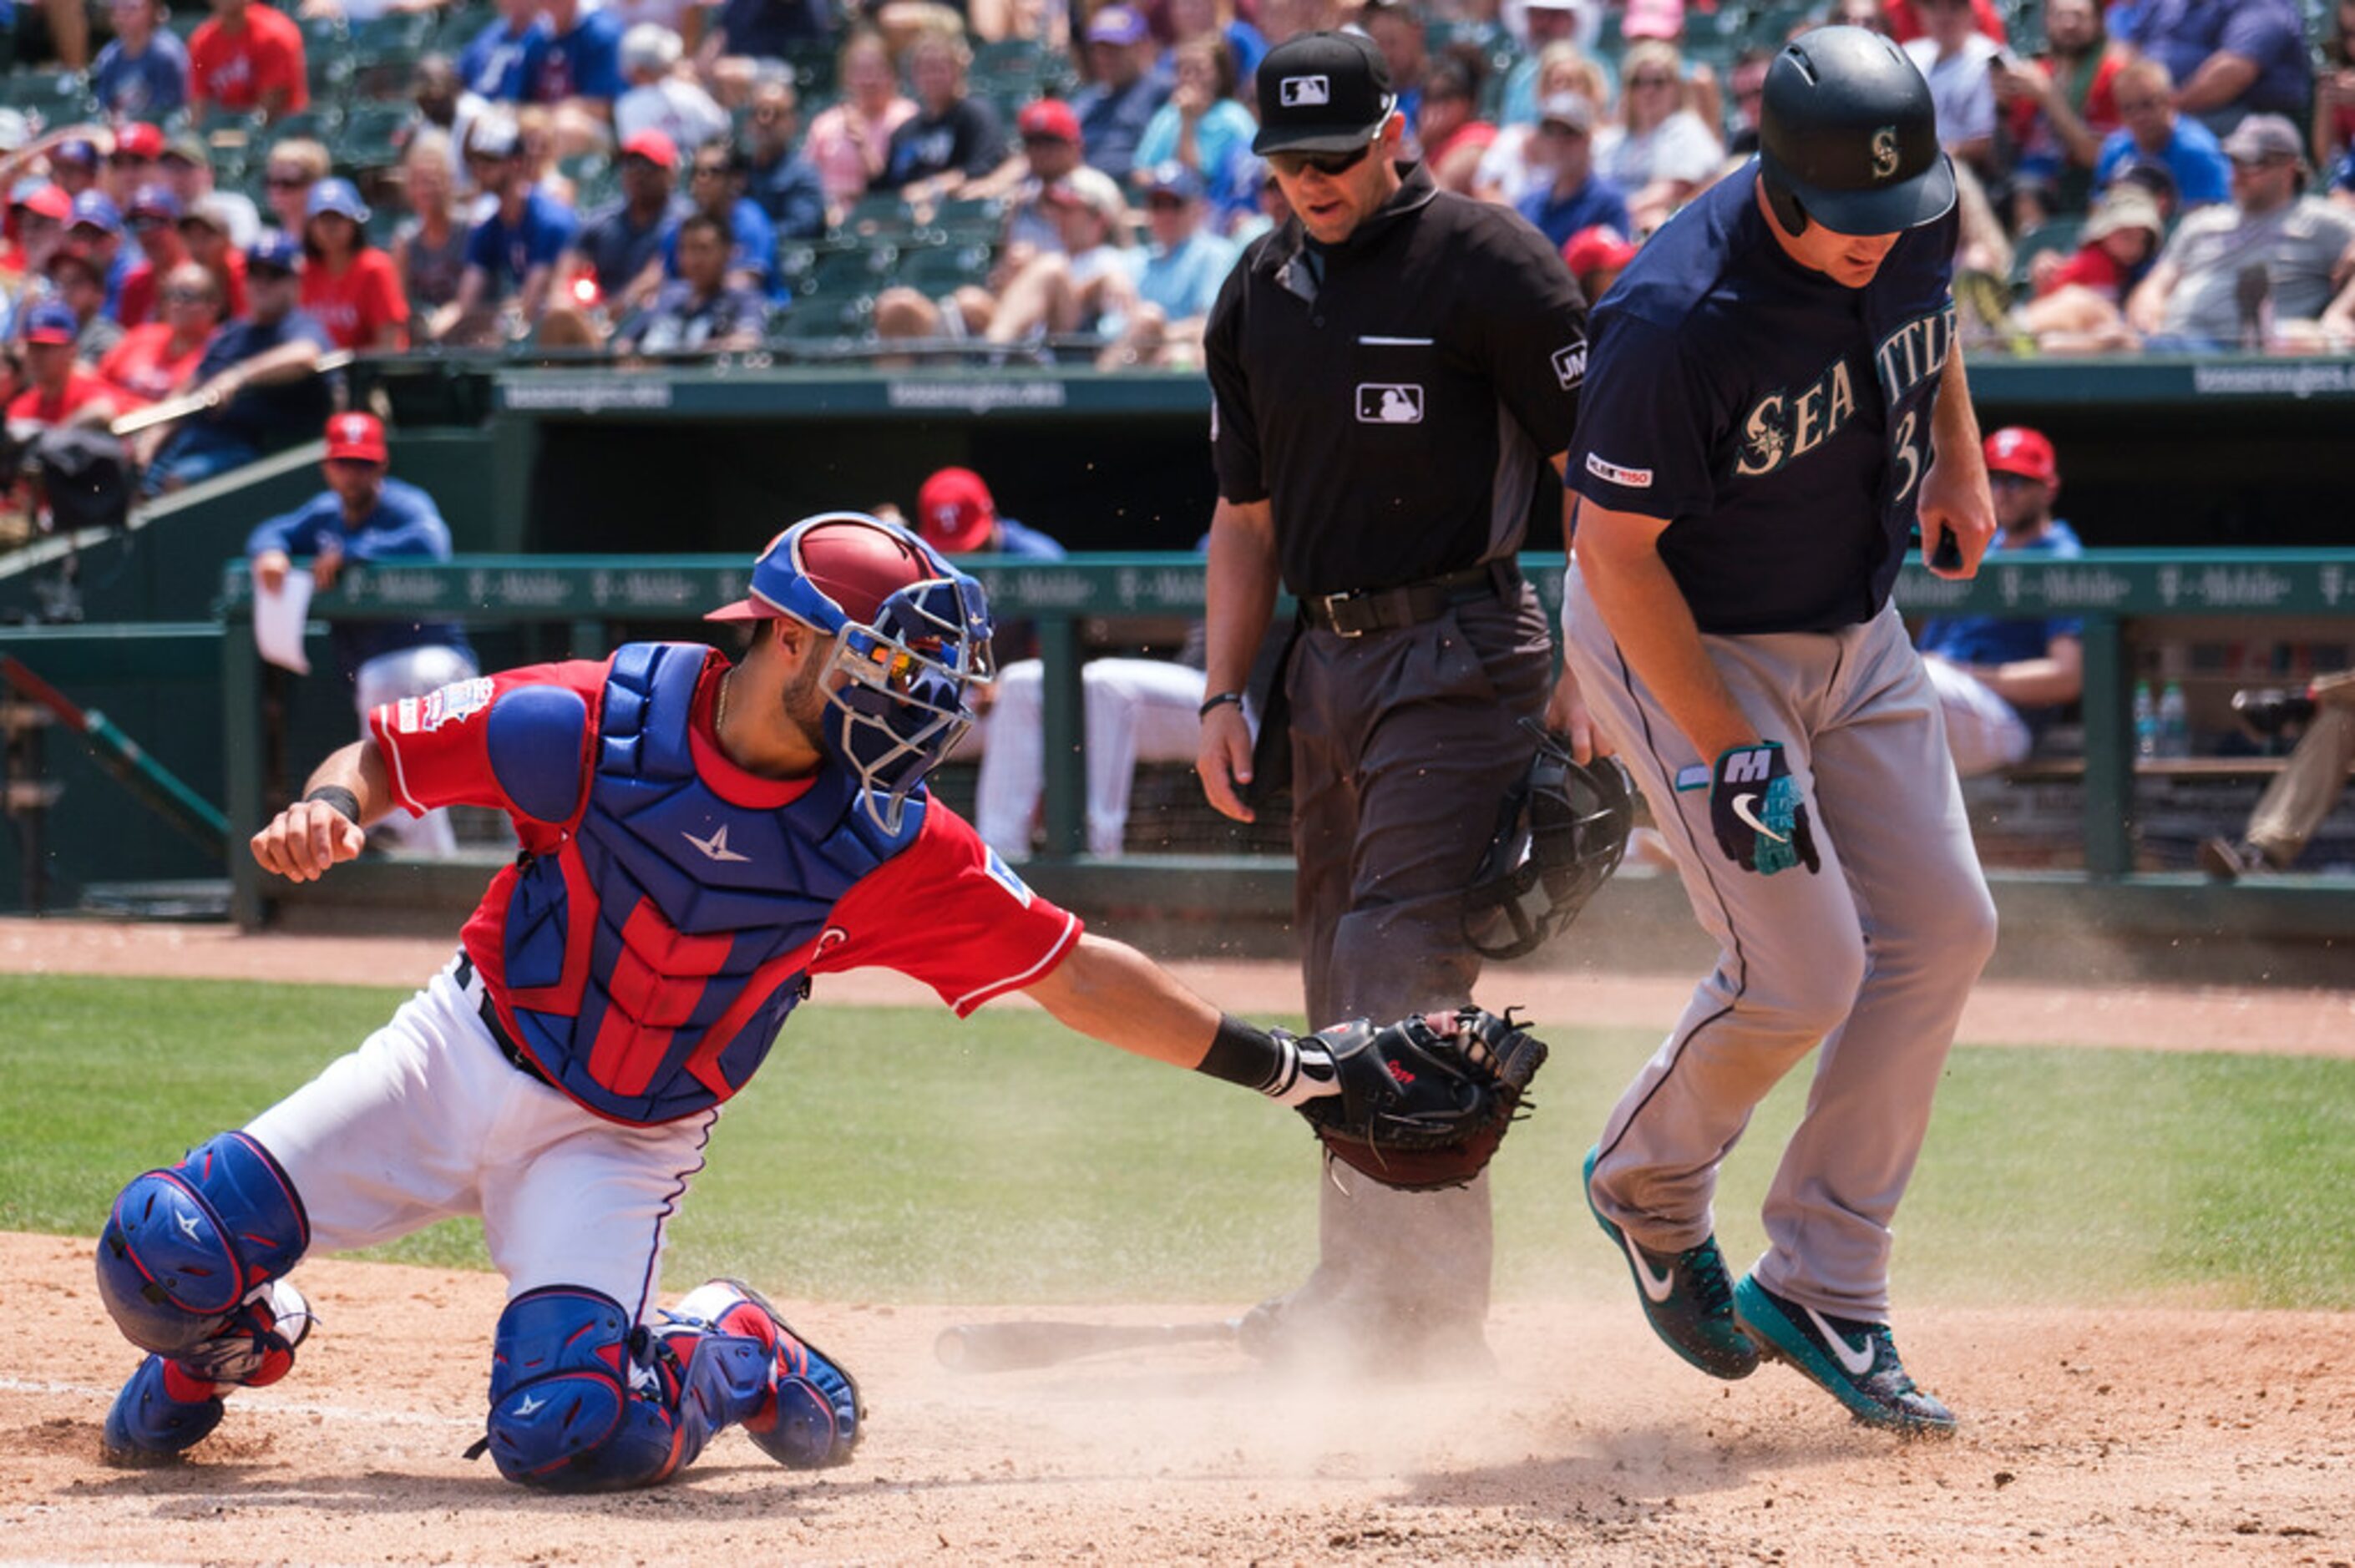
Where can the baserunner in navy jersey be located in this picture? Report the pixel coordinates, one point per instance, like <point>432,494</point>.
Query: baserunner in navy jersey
<point>1774,399</point>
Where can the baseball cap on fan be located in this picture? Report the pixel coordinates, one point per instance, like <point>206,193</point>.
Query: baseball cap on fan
<point>2017,449</point>
<point>856,560</point>
<point>955,511</point>
<point>1322,93</point>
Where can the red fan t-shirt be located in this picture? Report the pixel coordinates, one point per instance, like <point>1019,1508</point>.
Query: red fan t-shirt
<point>233,70</point>
<point>357,305</point>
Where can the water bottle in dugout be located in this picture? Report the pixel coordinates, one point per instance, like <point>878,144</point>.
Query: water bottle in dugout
<point>2146,721</point>
<point>2174,723</point>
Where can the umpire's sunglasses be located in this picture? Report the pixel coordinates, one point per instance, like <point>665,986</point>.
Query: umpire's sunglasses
<point>1292,166</point>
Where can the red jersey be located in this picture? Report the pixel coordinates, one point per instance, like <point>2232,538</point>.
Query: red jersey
<point>34,410</point>
<point>2092,268</point>
<point>1904,20</point>
<point>945,910</point>
<point>234,70</point>
<point>144,366</point>
<point>357,305</point>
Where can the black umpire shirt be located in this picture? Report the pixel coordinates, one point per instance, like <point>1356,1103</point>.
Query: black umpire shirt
<point>1393,410</point>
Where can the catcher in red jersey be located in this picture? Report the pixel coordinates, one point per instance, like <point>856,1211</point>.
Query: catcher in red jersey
<point>701,839</point>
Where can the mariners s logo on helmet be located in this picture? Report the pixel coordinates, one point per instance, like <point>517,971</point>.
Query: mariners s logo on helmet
<point>1884,151</point>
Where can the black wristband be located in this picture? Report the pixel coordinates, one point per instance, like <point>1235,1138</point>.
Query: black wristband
<point>1219,700</point>
<point>1242,1054</point>
<point>341,798</point>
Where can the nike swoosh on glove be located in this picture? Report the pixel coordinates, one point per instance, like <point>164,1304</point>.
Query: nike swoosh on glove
<point>1757,812</point>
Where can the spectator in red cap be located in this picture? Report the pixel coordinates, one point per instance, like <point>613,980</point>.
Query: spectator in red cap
<point>247,56</point>
<point>1048,149</point>
<point>620,246</point>
<point>349,285</point>
<point>1596,257</point>
<point>134,163</point>
<point>850,140</point>
<point>61,392</point>
<point>366,515</point>
<point>1999,680</point>
<point>36,226</point>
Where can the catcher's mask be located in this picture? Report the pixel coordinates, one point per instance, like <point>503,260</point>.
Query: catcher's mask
<point>910,635</point>
<point>1560,835</point>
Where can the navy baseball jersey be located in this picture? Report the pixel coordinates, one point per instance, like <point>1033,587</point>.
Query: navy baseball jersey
<point>1778,421</point>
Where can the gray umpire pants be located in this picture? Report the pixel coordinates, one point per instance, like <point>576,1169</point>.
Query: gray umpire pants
<point>1403,743</point>
<point>1873,957</point>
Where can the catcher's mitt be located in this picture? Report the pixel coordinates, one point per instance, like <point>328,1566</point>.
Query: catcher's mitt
<point>1425,1102</point>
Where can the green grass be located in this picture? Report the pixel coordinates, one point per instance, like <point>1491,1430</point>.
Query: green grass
<point>889,1154</point>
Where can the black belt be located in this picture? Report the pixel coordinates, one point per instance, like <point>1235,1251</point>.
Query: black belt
<point>1389,610</point>
<point>515,1054</point>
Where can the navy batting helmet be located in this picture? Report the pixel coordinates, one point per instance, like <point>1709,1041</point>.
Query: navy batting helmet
<point>1847,136</point>
<point>1560,835</point>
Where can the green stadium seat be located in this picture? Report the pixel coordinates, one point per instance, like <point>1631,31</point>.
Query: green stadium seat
<point>968,217</point>
<point>58,97</point>
<point>814,66</point>
<point>879,212</point>
<point>2056,234</point>
<point>368,138</point>
<point>938,269</point>
<point>826,316</point>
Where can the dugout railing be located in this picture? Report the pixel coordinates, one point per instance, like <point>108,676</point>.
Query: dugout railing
<point>591,600</point>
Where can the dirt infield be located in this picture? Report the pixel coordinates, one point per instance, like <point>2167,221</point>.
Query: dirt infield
<point>2128,1436</point>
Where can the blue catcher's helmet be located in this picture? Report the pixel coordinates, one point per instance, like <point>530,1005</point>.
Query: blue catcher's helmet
<point>911,632</point>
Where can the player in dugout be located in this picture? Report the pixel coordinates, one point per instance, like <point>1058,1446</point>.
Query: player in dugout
<point>703,839</point>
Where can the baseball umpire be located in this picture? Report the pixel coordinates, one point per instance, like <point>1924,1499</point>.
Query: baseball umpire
<point>700,838</point>
<point>1388,369</point>
<point>1775,396</point>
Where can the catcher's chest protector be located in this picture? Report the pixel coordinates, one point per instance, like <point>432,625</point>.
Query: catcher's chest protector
<point>652,960</point>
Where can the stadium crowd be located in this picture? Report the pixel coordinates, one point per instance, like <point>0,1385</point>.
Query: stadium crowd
<point>220,201</point>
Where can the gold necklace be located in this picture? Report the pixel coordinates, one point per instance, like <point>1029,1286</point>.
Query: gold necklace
<point>720,710</point>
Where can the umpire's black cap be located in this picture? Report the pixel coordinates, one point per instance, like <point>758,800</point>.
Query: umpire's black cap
<point>1322,93</point>
<point>1847,126</point>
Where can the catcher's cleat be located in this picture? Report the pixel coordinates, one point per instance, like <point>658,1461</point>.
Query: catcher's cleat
<point>1688,1297</point>
<point>1853,1360</point>
<point>812,1417</point>
<point>161,1414</point>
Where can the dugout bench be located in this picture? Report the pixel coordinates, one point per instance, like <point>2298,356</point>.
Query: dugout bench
<point>593,599</point>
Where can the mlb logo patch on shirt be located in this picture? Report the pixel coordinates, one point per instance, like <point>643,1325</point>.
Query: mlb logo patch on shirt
<point>1631,478</point>
<point>1305,91</point>
<point>1389,403</point>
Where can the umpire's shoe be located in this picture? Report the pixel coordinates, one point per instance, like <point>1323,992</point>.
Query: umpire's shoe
<point>813,1418</point>
<point>1688,1297</point>
<point>161,1414</point>
<point>1854,1360</point>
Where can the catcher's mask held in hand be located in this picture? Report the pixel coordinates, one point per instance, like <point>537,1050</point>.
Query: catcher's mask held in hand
<point>910,635</point>
<point>1559,835</point>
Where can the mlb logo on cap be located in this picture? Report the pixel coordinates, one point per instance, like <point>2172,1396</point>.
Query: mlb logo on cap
<point>357,438</point>
<point>1306,91</point>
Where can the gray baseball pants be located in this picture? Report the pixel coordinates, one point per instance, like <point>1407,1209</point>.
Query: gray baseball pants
<point>1871,958</point>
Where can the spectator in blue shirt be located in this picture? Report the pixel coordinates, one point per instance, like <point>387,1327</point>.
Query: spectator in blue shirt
<point>263,369</point>
<point>700,312</point>
<point>365,515</point>
<point>1577,198</point>
<point>1998,678</point>
<point>503,60</point>
<point>144,73</point>
<point>96,231</point>
<point>2230,58</point>
<point>1177,274</point>
<point>2343,184</point>
<point>1202,125</point>
<point>581,65</point>
<point>781,183</point>
<point>623,245</point>
<point>2154,131</point>
<point>1116,108</point>
<point>717,189</point>
<point>511,253</point>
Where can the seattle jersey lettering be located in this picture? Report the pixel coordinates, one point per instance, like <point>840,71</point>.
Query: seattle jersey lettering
<point>1781,428</point>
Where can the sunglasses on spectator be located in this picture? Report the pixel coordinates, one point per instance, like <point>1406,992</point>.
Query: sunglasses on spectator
<point>1327,164</point>
<point>1165,201</point>
<point>186,297</point>
<point>2010,480</point>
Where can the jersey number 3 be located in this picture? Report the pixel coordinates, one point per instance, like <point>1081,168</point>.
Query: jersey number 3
<point>1909,456</point>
